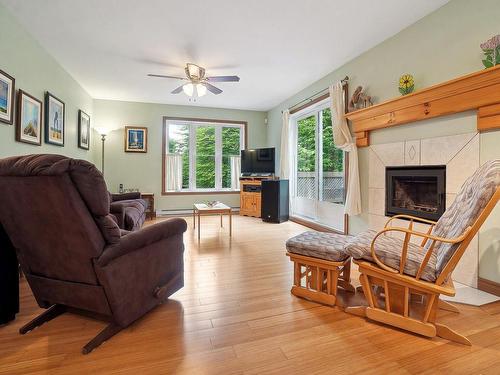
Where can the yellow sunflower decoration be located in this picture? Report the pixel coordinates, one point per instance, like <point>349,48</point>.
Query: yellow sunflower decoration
<point>406,84</point>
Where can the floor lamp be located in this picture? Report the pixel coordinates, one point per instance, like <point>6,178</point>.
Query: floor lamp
<point>102,132</point>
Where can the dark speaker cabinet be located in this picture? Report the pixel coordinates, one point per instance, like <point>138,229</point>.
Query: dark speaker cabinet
<point>275,200</point>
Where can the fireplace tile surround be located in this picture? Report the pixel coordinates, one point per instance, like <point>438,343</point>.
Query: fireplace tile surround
<point>460,154</point>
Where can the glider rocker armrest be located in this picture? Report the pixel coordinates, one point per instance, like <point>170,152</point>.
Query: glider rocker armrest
<point>404,251</point>
<point>411,218</point>
<point>137,240</point>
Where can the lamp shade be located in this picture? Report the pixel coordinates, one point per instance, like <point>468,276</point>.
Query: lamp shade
<point>201,89</point>
<point>102,130</point>
<point>188,89</point>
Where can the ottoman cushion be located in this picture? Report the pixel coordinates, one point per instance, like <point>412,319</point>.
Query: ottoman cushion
<point>327,246</point>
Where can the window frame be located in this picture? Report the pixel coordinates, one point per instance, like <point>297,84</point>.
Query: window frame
<point>193,123</point>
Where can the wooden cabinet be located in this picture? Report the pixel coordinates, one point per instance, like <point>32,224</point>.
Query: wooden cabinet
<point>250,198</point>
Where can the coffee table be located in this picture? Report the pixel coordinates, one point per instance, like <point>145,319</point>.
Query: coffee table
<point>200,209</point>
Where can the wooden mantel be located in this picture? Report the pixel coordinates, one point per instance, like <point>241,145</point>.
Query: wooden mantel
<point>479,91</point>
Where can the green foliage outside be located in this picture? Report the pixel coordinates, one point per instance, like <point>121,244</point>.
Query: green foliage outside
<point>205,157</point>
<point>205,153</point>
<point>306,145</point>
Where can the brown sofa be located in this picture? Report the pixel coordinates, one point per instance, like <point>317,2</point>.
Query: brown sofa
<point>129,210</point>
<point>55,211</point>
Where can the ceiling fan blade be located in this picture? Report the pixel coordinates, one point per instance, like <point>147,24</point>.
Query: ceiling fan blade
<point>212,88</point>
<point>162,76</point>
<point>177,90</point>
<point>223,79</point>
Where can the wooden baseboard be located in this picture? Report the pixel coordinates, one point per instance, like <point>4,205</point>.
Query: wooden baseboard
<point>488,286</point>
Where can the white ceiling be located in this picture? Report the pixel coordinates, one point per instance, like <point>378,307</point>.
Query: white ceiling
<point>277,47</point>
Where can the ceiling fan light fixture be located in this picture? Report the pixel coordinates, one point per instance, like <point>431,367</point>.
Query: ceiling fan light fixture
<point>201,89</point>
<point>188,89</point>
<point>194,71</point>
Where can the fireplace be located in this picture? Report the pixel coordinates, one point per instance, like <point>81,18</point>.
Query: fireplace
<point>417,191</point>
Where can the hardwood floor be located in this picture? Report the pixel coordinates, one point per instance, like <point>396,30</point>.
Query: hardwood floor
<point>236,315</point>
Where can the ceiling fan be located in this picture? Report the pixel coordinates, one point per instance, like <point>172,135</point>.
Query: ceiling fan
<point>198,84</point>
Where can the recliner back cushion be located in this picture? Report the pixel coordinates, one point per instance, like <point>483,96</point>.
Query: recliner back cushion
<point>50,206</point>
<point>473,197</point>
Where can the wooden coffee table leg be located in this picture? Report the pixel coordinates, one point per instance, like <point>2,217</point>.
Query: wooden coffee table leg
<point>230,223</point>
<point>194,218</point>
<point>199,226</point>
<point>221,220</point>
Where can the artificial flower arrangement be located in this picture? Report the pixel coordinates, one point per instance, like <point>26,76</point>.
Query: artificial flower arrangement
<point>491,50</point>
<point>406,84</point>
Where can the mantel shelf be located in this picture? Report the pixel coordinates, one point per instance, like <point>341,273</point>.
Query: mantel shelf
<point>477,91</point>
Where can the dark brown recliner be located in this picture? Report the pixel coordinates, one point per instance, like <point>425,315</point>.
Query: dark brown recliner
<point>129,210</point>
<point>55,211</point>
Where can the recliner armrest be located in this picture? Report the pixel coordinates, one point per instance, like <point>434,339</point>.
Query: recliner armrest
<point>125,196</point>
<point>142,238</point>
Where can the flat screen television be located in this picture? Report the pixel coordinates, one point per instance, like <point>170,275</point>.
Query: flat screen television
<point>257,161</point>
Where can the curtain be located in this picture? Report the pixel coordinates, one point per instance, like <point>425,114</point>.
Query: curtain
<point>344,141</point>
<point>173,172</point>
<point>285,149</point>
<point>235,172</point>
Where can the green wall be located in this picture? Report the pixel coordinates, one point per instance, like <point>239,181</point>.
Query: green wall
<point>143,171</point>
<point>35,72</point>
<point>439,47</point>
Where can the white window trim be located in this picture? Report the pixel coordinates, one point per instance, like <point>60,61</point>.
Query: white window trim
<point>192,124</point>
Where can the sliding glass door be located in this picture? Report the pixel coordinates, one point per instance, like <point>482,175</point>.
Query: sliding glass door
<point>318,179</point>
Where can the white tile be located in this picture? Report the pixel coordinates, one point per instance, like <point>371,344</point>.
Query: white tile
<point>462,166</point>
<point>466,271</point>
<point>440,150</point>
<point>391,154</point>
<point>376,222</point>
<point>376,171</point>
<point>376,201</point>
<point>412,152</point>
<point>470,296</point>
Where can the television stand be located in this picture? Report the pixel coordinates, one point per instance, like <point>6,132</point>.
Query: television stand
<point>250,194</point>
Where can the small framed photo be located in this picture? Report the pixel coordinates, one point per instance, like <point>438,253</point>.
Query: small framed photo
<point>54,120</point>
<point>136,139</point>
<point>29,119</point>
<point>83,130</point>
<point>7,90</point>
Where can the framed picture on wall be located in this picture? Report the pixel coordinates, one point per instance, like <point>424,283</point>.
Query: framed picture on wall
<point>54,120</point>
<point>136,139</point>
<point>7,90</point>
<point>29,119</point>
<point>83,130</point>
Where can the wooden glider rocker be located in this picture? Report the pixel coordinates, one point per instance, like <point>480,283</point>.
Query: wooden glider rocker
<point>394,269</point>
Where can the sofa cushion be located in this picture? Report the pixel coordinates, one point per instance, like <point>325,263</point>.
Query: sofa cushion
<point>388,250</point>
<point>328,246</point>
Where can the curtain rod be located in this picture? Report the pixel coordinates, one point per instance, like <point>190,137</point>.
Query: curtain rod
<point>310,98</point>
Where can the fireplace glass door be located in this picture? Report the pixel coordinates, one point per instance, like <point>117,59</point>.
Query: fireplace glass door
<point>416,191</point>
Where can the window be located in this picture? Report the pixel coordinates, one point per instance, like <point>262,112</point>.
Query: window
<point>318,180</point>
<point>202,155</point>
